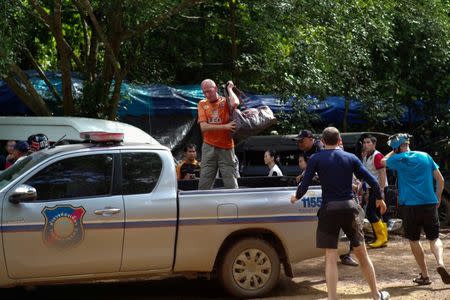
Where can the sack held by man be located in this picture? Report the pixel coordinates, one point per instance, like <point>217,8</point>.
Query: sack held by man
<point>249,121</point>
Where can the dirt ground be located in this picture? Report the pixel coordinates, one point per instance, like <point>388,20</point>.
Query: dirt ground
<point>395,267</point>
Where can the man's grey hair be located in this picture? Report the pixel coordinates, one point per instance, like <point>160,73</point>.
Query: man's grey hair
<point>208,83</point>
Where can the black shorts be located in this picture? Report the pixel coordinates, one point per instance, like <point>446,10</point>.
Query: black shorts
<point>330,224</point>
<point>417,217</point>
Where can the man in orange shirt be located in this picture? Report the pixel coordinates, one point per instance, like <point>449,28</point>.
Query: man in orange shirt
<point>217,129</point>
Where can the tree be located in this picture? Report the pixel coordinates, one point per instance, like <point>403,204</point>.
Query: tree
<point>111,31</point>
<point>12,25</point>
<point>387,54</point>
<point>415,69</point>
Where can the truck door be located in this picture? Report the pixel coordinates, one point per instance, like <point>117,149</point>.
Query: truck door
<point>149,193</point>
<point>74,227</point>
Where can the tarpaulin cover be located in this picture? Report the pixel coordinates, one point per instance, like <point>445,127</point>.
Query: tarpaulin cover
<point>169,113</point>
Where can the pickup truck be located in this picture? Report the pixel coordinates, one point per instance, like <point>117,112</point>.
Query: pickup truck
<point>97,211</point>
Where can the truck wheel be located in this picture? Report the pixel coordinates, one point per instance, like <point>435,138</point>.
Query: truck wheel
<point>250,268</point>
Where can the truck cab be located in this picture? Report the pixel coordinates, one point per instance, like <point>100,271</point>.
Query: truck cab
<point>63,211</point>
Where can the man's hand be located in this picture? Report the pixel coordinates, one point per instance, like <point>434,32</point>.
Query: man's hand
<point>299,178</point>
<point>293,199</point>
<point>439,197</point>
<point>230,85</point>
<point>231,126</point>
<point>381,205</point>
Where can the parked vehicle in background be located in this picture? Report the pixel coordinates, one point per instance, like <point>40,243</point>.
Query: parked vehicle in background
<point>251,151</point>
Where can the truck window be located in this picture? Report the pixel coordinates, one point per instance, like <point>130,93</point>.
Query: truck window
<point>140,172</point>
<point>75,177</point>
<point>21,167</point>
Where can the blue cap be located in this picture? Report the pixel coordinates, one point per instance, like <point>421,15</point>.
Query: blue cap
<point>22,146</point>
<point>396,140</point>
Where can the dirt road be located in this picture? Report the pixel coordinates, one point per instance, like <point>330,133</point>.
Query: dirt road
<point>395,267</point>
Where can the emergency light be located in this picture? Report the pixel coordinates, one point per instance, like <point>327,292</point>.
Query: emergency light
<point>102,137</point>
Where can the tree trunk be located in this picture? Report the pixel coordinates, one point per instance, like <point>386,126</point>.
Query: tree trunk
<point>50,86</point>
<point>84,18</point>
<point>87,41</point>
<point>114,37</point>
<point>92,58</point>
<point>204,45</point>
<point>346,111</point>
<point>29,95</point>
<point>115,99</point>
<point>233,35</point>
<point>64,58</point>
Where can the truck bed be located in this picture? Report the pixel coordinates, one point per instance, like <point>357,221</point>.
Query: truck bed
<point>244,182</point>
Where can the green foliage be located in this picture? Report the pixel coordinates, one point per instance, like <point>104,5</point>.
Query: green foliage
<point>385,53</point>
<point>11,20</point>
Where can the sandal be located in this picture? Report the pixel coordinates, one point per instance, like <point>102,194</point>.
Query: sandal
<point>420,280</point>
<point>444,274</point>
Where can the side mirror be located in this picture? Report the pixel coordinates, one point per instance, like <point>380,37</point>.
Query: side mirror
<point>23,193</point>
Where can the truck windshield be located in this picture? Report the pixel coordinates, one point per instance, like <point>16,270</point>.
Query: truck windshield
<point>20,168</point>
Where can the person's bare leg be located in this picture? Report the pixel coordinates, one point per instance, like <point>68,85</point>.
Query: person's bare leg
<point>367,269</point>
<point>419,255</point>
<point>331,272</point>
<point>437,248</point>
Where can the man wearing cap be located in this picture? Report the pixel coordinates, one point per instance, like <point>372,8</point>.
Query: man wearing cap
<point>418,201</point>
<point>214,118</point>
<point>307,144</point>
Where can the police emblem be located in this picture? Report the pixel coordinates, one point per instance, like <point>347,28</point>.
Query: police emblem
<point>63,226</point>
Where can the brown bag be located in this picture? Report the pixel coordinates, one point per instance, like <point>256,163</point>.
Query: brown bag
<point>249,121</point>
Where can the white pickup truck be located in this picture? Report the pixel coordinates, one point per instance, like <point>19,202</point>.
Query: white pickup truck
<point>95,211</point>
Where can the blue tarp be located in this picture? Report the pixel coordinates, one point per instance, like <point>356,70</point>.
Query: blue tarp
<point>162,100</point>
<point>10,105</point>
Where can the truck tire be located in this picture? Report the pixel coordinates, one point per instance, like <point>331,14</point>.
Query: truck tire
<point>250,268</point>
